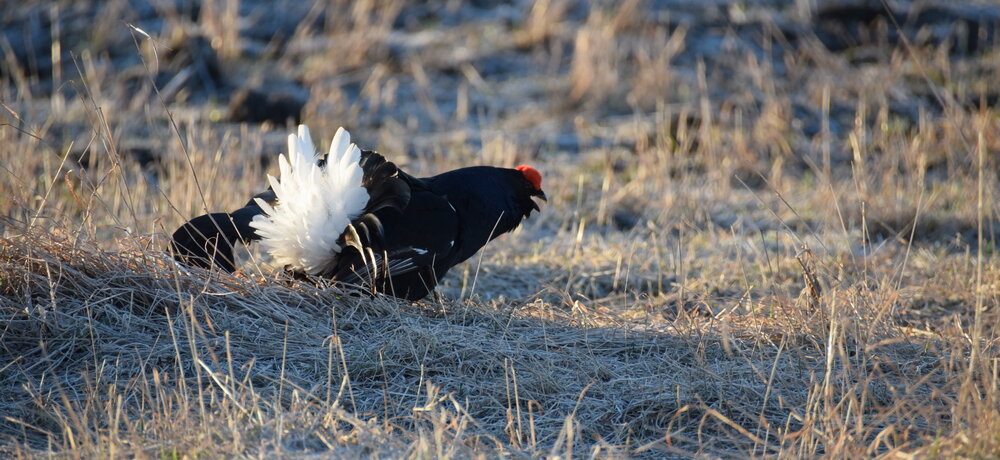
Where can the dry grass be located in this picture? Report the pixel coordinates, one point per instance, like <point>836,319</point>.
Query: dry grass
<point>754,246</point>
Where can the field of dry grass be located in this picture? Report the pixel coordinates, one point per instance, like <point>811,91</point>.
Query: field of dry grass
<point>772,230</point>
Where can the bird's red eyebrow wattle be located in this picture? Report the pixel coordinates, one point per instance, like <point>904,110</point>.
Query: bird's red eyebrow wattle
<point>532,175</point>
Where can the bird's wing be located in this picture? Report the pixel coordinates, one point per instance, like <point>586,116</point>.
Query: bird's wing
<point>387,185</point>
<point>389,243</point>
<point>376,267</point>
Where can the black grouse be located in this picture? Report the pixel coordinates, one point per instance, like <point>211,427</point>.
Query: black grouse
<point>354,217</point>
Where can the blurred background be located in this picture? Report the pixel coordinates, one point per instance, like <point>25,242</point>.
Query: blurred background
<point>734,91</point>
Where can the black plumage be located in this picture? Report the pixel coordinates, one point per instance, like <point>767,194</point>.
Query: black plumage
<point>411,232</point>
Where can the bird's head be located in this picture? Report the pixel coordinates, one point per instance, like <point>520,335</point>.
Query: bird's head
<point>533,185</point>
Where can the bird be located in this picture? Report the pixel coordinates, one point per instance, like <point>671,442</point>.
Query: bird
<point>354,217</point>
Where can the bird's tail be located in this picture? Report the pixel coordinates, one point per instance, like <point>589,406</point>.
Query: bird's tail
<point>210,238</point>
<point>314,203</point>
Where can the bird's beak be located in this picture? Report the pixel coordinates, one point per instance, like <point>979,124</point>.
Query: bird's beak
<point>540,195</point>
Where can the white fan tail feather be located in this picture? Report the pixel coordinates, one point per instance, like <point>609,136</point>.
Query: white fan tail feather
<point>314,204</point>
